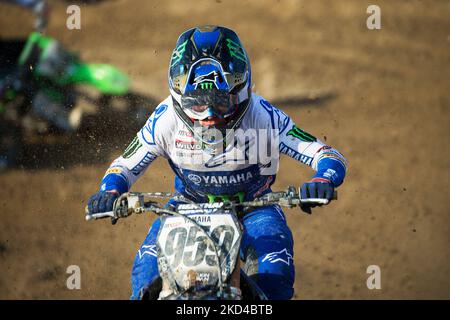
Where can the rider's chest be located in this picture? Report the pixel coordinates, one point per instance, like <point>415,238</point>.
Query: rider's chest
<point>188,152</point>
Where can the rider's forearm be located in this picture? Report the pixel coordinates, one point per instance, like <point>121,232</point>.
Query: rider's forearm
<point>306,148</point>
<point>115,180</point>
<point>330,165</point>
<point>126,169</point>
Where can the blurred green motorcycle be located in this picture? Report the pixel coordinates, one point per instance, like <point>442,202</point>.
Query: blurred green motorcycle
<point>44,89</point>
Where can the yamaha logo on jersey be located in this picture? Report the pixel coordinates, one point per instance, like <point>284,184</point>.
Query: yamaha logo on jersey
<point>296,155</point>
<point>224,179</point>
<point>195,178</point>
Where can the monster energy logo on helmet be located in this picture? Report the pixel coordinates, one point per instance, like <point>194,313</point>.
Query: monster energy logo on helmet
<point>300,134</point>
<point>206,85</point>
<point>206,82</point>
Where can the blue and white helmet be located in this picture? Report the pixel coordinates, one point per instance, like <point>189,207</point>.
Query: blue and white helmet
<point>210,76</point>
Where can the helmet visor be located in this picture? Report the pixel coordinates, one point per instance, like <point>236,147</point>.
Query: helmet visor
<point>200,104</point>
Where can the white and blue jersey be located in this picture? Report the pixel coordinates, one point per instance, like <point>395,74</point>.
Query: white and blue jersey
<point>165,135</point>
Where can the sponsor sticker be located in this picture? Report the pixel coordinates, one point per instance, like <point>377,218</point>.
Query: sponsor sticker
<point>187,145</point>
<point>113,170</point>
<point>146,160</point>
<point>300,134</point>
<point>207,81</point>
<point>282,256</point>
<point>195,178</point>
<point>296,155</point>
<point>132,148</point>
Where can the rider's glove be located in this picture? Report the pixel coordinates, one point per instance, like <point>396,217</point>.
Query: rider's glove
<point>317,192</point>
<point>102,201</point>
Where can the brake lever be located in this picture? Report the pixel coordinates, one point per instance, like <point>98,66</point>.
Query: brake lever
<point>306,206</point>
<point>120,211</point>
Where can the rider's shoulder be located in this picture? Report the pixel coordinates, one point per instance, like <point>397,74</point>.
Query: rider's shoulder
<point>164,109</point>
<point>263,112</point>
<point>164,113</point>
<point>160,123</point>
<point>261,103</point>
<point>256,100</point>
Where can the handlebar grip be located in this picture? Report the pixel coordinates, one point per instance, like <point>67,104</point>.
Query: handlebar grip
<point>321,201</point>
<point>100,215</point>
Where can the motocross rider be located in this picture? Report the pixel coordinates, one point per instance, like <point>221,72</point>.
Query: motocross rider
<point>210,88</point>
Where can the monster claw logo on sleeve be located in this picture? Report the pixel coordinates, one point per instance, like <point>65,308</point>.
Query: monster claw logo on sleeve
<point>298,133</point>
<point>132,148</point>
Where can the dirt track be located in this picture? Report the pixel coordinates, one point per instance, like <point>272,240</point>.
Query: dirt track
<point>387,112</point>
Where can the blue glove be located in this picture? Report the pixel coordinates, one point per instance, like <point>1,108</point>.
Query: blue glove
<point>102,201</point>
<point>316,192</point>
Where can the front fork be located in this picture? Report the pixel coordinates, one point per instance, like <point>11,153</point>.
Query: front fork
<point>235,280</point>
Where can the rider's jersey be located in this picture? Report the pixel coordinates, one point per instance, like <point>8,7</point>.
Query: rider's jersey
<point>237,167</point>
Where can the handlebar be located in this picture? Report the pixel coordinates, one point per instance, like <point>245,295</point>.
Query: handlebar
<point>134,202</point>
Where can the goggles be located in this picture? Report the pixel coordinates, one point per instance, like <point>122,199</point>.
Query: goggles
<point>200,104</point>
